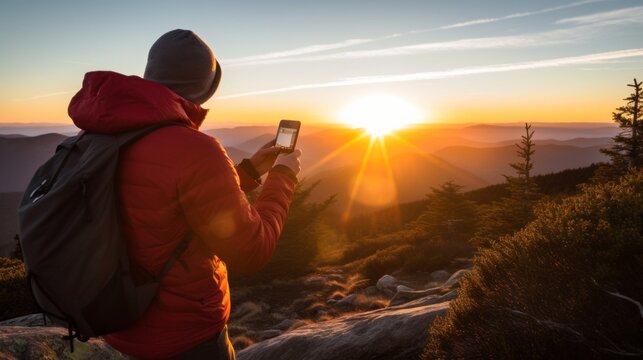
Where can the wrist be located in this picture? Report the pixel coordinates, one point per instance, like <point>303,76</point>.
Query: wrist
<point>250,169</point>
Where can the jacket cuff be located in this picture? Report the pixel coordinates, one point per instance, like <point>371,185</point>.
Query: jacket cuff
<point>285,170</point>
<point>246,182</point>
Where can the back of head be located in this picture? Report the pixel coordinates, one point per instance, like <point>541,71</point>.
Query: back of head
<point>183,62</point>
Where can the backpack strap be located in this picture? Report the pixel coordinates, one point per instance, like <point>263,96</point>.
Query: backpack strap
<point>176,255</point>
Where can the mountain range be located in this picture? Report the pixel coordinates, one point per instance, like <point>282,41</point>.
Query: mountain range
<point>363,172</point>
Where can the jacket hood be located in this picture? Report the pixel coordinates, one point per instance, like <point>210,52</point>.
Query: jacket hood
<point>110,103</point>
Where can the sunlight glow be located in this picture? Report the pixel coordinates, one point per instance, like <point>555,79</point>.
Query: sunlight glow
<point>379,115</point>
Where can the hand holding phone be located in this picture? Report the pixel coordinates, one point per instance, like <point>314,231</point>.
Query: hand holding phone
<point>287,135</point>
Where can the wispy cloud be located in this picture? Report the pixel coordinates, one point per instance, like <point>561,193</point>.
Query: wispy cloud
<point>305,50</point>
<point>615,17</point>
<point>42,96</point>
<point>498,42</point>
<point>297,53</point>
<point>434,75</point>
<point>519,15</point>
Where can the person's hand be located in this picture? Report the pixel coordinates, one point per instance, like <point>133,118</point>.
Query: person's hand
<point>290,160</point>
<point>265,157</point>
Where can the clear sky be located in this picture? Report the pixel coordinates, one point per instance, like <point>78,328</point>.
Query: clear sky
<point>457,60</point>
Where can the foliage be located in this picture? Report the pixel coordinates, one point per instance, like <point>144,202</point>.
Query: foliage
<point>565,286</point>
<point>627,148</point>
<point>515,211</point>
<point>15,296</point>
<point>384,221</point>
<point>17,251</point>
<point>297,247</point>
<point>449,215</point>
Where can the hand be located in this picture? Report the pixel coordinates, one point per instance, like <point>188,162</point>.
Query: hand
<point>265,157</point>
<point>290,160</point>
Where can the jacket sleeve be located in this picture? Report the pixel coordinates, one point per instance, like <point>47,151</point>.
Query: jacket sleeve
<point>242,235</point>
<point>246,181</point>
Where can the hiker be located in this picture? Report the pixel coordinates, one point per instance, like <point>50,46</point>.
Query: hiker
<point>178,181</point>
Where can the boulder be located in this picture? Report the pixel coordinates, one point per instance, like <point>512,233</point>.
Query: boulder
<point>402,297</point>
<point>403,288</point>
<point>387,283</point>
<point>454,280</point>
<point>21,342</point>
<point>347,300</point>
<point>264,334</point>
<point>440,276</point>
<point>397,332</point>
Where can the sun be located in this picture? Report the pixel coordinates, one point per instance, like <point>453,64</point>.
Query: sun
<point>380,114</point>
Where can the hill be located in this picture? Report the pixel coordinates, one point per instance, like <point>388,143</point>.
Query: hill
<point>8,221</point>
<point>491,163</point>
<point>21,156</point>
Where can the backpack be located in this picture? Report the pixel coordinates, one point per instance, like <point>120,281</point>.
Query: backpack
<point>74,251</point>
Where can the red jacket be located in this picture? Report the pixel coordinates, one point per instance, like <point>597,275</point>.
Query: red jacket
<point>172,181</point>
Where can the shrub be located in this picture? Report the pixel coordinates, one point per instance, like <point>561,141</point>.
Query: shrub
<point>15,297</point>
<point>565,286</point>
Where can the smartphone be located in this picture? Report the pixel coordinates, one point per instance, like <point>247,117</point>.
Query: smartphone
<point>287,135</point>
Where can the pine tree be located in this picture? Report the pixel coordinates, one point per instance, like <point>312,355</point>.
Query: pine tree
<point>449,215</point>
<point>512,213</point>
<point>627,148</point>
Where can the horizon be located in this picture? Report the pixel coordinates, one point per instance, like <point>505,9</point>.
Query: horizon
<point>502,63</point>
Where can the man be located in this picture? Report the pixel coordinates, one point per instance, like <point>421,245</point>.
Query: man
<point>176,181</point>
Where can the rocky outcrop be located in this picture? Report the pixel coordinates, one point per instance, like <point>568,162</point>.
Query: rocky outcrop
<point>396,332</point>
<point>21,342</point>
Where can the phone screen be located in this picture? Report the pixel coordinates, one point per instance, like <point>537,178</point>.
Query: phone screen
<point>287,135</point>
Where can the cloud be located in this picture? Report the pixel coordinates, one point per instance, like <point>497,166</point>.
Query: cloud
<point>292,54</point>
<point>498,42</point>
<point>615,17</point>
<point>467,71</point>
<point>518,15</point>
<point>311,49</point>
<point>41,96</point>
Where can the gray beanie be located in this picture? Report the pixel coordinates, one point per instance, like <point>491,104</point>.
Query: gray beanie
<point>184,63</point>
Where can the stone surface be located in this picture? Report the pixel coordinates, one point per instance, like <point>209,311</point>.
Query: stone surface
<point>21,342</point>
<point>398,332</point>
<point>387,283</point>
<point>404,288</point>
<point>27,320</point>
<point>347,300</point>
<point>454,280</point>
<point>440,275</point>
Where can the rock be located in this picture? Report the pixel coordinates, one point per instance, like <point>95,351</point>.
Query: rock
<point>405,297</point>
<point>27,320</point>
<point>21,342</point>
<point>331,302</point>
<point>403,288</point>
<point>265,334</point>
<point>371,291</point>
<point>387,283</point>
<point>398,332</point>
<point>290,324</point>
<point>347,300</point>
<point>440,275</point>
<point>454,280</point>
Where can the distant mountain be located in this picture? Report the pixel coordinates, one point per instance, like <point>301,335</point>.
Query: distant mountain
<point>491,163</point>
<point>21,156</point>
<point>236,155</point>
<point>497,133</point>
<point>411,178</point>
<point>37,129</point>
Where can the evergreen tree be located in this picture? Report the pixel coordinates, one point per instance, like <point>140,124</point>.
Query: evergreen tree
<point>512,213</point>
<point>627,148</point>
<point>449,215</point>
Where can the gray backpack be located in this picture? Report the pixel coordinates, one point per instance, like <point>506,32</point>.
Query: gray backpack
<point>73,248</point>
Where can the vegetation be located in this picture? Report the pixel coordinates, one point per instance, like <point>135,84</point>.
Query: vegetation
<point>566,286</point>
<point>515,211</point>
<point>627,148</point>
<point>15,297</point>
<point>298,246</point>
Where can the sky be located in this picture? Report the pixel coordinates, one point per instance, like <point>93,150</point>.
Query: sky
<point>458,61</point>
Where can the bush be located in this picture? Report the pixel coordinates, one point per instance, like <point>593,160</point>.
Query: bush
<point>15,297</point>
<point>565,286</point>
<point>297,247</point>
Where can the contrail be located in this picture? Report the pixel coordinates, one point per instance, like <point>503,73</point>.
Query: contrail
<point>36,97</point>
<point>286,55</point>
<point>434,75</point>
<point>519,15</point>
<point>613,17</point>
